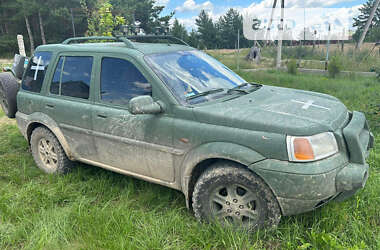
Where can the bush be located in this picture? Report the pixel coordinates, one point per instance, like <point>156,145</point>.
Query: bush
<point>292,67</point>
<point>334,67</point>
<point>377,70</point>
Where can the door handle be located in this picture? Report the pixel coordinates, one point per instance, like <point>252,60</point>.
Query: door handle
<point>50,106</point>
<point>102,116</point>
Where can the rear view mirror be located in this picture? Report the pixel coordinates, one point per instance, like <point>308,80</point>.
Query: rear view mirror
<point>144,105</point>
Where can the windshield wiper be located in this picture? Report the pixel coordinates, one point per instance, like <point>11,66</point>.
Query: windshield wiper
<point>238,88</point>
<point>208,92</point>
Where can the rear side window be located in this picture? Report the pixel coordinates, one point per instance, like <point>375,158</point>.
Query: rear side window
<point>72,77</point>
<point>121,81</point>
<point>35,72</point>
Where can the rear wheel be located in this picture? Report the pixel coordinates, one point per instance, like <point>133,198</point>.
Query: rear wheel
<point>8,94</point>
<point>48,152</point>
<point>233,195</point>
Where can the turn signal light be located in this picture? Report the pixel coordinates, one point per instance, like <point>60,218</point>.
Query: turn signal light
<point>303,150</point>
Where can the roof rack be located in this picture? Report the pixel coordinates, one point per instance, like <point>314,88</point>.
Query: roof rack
<point>127,42</point>
<point>164,37</point>
<point>125,39</point>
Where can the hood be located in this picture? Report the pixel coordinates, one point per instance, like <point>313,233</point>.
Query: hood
<point>277,110</point>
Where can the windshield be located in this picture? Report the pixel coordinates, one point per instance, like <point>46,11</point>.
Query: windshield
<point>190,73</point>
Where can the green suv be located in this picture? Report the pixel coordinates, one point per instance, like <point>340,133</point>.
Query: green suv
<point>242,153</point>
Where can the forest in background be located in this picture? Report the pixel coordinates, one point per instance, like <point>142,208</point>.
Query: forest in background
<point>53,21</point>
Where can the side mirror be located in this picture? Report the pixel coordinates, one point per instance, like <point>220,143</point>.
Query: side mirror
<point>144,105</point>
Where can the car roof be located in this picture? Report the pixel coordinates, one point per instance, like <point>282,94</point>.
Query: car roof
<point>116,47</point>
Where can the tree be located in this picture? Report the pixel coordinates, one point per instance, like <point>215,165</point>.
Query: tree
<point>42,21</point>
<point>25,13</point>
<point>178,30</point>
<point>193,39</point>
<point>144,11</point>
<point>228,26</point>
<point>41,27</point>
<point>102,22</point>
<point>207,31</point>
<point>361,20</point>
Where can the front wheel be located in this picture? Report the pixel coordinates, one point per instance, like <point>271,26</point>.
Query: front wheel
<point>233,195</point>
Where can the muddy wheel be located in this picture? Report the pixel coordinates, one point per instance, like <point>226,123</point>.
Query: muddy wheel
<point>48,152</point>
<point>233,195</point>
<point>8,94</point>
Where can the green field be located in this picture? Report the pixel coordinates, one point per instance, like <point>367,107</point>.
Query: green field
<point>91,208</point>
<point>367,59</point>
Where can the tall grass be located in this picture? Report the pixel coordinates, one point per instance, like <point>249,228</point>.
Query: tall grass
<point>91,208</point>
<point>307,57</point>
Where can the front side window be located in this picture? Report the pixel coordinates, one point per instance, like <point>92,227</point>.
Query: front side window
<point>72,77</point>
<point>35,72</point>
<point>120,81</point>
<point>188,73</point>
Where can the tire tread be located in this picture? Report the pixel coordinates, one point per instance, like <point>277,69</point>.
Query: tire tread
<point>64,163</point>
<point>10,86</point>
<point>223,170</point>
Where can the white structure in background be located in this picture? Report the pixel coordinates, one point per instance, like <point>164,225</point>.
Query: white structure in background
<point>312,23</point>
<point>21,46</point>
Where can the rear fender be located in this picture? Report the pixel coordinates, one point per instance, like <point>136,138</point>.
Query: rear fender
<point>45,120</point>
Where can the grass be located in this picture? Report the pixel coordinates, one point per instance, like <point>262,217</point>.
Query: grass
<point>363,60</point>
<point>91,208</point>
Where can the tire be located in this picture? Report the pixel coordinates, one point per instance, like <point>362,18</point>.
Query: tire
<point>231,194</point>
<point>48,152</point>
<point>8,94</point>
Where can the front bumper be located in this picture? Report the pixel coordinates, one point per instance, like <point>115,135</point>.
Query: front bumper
<point>298,193</point>
<point>302,187</point>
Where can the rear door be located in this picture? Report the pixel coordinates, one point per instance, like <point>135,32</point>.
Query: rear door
<point>69,101</point>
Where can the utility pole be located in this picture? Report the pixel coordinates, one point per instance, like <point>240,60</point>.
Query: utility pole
<point>279,48</point>
<point>72,21</point>
<point>369,21</point>
<point>270,21</point>
<point>328,46</point>
<point>238,47</point>
<point>342,42</point>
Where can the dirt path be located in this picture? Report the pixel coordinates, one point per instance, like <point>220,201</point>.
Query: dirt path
<point>5,61</point>
<point>6,121</point>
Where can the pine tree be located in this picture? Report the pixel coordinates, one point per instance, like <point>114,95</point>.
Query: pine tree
<point>179,31</point>
<point>193,39</point>
<point>207,31</point>
<point>228,26</point>
<point>361,20</point>
<point>144,11</point>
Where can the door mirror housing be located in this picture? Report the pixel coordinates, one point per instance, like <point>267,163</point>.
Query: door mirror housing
<point>144,105</point>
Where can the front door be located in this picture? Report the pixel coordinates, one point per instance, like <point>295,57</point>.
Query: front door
<point>139,144</point>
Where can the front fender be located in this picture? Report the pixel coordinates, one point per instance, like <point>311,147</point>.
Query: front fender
<point>216,150</point>
<point>26,124</point>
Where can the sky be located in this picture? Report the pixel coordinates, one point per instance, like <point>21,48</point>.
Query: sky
<point>187,11</point>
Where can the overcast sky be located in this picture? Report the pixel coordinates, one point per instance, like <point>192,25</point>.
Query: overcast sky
<point>188,10</point>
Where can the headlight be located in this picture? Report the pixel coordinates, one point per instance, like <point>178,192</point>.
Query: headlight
<point>311,148</point>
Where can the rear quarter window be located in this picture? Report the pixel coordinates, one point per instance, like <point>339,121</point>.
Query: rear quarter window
<point>36,71</point>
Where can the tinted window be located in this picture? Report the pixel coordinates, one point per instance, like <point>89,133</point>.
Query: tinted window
<point>54,87</point>
<point>121,81</point>
<point>35,72</point>
<point>72,77</point>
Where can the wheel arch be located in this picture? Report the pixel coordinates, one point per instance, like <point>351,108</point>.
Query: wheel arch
<point>42,120</point>
<point>201,158</point>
